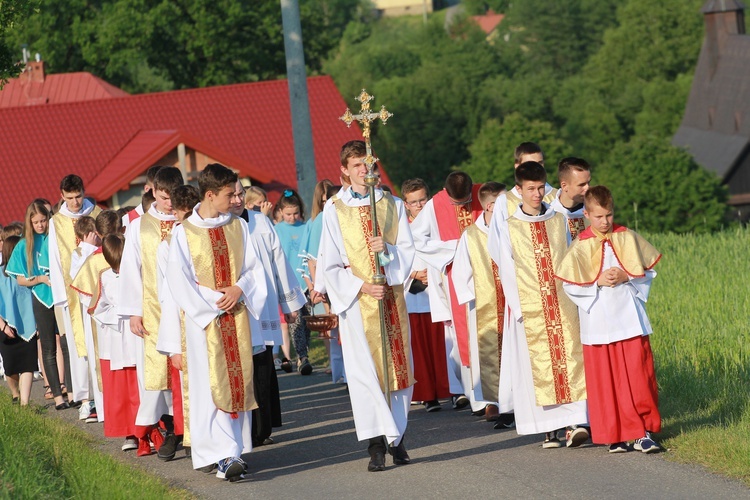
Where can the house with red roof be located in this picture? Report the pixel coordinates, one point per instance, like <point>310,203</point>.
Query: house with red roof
<point>110,138</point>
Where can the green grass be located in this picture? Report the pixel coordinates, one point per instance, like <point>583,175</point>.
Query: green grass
<point>700,310</point>
<point>42,457</point>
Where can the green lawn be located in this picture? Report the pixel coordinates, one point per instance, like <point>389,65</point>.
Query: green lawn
<point>700,310</point>
<point>42,457</point>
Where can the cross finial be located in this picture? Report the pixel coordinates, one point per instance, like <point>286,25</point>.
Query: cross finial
<point>366,117</point>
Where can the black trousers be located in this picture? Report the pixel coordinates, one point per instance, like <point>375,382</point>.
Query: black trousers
<point>46,325</point>
<point>266,387</point>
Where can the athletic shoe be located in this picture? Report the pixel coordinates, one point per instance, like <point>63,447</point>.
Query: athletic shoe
<point>38,376</point>
<point>551,441</point>
<point>431,406</point>
<point>277,364</point>
<point>231,468</point>
<point>84,411</point>
<point>505,421</point>
<point>618,448</point>
<point>459,401</point>
<point>646,444</point>
<point>130,443</point>
<point>575,436</point>
<point>92,417</point>
<point>168,449</point>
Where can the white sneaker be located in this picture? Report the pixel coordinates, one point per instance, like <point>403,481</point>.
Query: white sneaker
<point>130,444</point>
<point>84,411</point>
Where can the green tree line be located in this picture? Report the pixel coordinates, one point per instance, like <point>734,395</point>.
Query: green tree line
<point>606,80</point>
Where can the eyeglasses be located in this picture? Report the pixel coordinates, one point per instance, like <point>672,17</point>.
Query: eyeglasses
<point>462,202</point>
<point>414,203</point>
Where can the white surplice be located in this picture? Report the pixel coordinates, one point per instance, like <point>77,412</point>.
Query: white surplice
<point>530,418</point>
<point>112,326</point>
<point>438,254</point>
<point>463,281</point>
<point>153,404</point>
<point>372,417</point>
<point>214,434</point>
<point>78,365</point>
<point>611,314</point>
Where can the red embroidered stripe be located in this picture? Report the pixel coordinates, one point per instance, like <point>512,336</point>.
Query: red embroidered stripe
<point>500,310</point>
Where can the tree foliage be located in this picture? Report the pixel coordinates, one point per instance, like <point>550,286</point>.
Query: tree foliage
<point>11,12</point>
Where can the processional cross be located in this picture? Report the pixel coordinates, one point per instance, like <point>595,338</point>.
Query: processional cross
<point>366,117</point>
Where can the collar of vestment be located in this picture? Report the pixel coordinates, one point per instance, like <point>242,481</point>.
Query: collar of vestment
<point>349,199</point>
<point>481,225</point>
<point>545,215</point>
<point>559,207</point>
<point>160,215</point>
<point>86,209</point>
<point>208,223</point>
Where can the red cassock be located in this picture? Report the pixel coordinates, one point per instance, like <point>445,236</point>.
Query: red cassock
<point>121,400</point>
<point>430,362</point>
<point>622,392</point>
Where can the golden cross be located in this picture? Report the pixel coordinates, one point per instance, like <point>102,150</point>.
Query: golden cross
<point>365,117</point>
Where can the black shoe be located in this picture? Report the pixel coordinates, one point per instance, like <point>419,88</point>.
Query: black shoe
<point>62,406</point>
<point>74,404</point>
<point>305,368</point>
<point>377,462</point>
<point>16,401</point>
<point>505,421</point>
<point>431,406</point>
<point>460,401</point>
<point>168,449</point>
<point>286,365</point>
<point>208,469</point>
<point>399,454</point>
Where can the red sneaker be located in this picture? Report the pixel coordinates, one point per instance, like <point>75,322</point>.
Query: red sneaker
<point>144,447</point>
<point>156,438</point>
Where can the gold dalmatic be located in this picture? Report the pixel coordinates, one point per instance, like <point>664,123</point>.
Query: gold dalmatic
<point>156,366</point>
<point>550,318</point>
<point>576,226</point>
<point>67,242</point>
<point>356,224</point>
<point>88,282</point>
<point>489,304</point>
<point>217,264</point>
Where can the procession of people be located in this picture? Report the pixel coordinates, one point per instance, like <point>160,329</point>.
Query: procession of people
<point>167,322</point>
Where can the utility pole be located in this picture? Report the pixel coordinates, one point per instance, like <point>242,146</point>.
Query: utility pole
<point>304,155</point>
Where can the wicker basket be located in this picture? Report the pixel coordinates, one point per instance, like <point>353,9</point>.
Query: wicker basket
<point>321,322</point>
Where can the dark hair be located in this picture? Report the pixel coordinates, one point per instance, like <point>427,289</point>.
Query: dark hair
<point>15,228</point>
<point>147,200</point>
<point>168,179</point>
<point>599,195</point>
<point>185,197</point>
<point>530,171</point>
<point>489,191</point>
<point>352,149</point>
<point>290,198</point>
<point>123,211</point>
<point>108,222</point>
<point>71,183</point>
<point>332,191</point>
<point>9,243</point>
<point>526,148</point>
<point>411,185</point>
<point>215,177</point>
<point>84,225</point>
<point>151,174</point>
<point>112,247</point>
<point>571,163</point>
<point>458,185</point>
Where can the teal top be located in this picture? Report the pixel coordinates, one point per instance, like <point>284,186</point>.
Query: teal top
<point>290,237</point>
<point>40,263</point>
<point>15,306</point>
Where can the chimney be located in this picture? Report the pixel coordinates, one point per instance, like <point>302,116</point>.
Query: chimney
<point>722,18</point>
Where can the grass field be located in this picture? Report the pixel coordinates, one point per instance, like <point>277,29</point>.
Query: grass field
<point>700,310</point>
<point>42,457</point>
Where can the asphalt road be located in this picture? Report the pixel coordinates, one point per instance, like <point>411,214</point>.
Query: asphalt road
<point>454,454</point>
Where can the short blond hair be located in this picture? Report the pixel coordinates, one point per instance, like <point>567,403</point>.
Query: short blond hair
<point>254,195</point>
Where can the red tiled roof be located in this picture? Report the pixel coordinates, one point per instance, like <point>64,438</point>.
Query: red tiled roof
<point>56,89</point>
<point>489,21</point>
<point>108,142</point>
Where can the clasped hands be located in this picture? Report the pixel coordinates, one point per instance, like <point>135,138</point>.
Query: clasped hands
<point>612,277</point>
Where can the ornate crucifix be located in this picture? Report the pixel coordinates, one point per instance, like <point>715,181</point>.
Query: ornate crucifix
<point>365,117</point>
